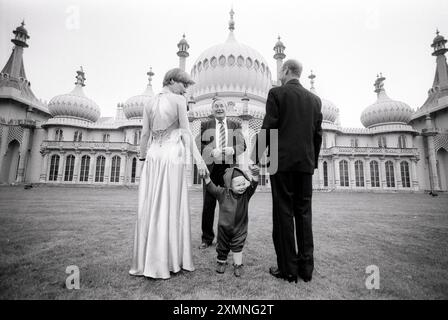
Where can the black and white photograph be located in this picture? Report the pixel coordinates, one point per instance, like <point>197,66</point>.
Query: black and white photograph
<point>223,151</point>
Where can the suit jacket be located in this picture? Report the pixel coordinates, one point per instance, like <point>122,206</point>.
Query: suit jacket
<point>296,113</point>
<point>207,141</point>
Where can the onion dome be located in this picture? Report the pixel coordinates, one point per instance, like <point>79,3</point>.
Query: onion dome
<point>21,35</point>
<point>279,49</point>
<point>231,67</point>
<point>183,47</point>
<point>75,104</point>
<point>329,110</point>
<point>385,110</point>
<point>438,44</point>
<point>133,107</point>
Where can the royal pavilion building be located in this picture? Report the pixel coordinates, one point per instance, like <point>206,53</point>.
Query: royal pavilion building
<point>66,141</point>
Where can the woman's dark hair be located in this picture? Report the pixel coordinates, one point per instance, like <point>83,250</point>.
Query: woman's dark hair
<point>177,75</point>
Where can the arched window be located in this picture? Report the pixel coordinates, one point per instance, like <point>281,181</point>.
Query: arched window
<point>390,177</point>
<point>115,169</point>
<point>133,169</point>
<point>343,173</point>
<point>54,167</point>
<point>404,168</point>
<point>374,174</point>
<point>325,169</point>
<point>359,173</point>
<point>59,135</point>
<point>324,141</point>
<point>77,136</point>
<point>84,173</point>
<point>106,137</point>
<point>69,166</point>
<point>99,169</point>
<point>382,142</point>
<point>402,141</point>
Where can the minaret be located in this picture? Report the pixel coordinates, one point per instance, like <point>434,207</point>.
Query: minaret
<point>279,56</point>
<point>183,52</point>
<point>14,66</point>
<point>312,76</point>
<point>441,78</point>
<point>149,87</point>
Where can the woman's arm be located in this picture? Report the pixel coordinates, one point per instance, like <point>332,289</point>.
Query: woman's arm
<point>145,133</point>
<point>187,136</point>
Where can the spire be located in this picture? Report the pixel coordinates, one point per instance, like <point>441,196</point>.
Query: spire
<point>439,44</point>
<point>21,35</point>
<point>279,49</point>
<point>183,52</point>
<point>80,78</point>
<point>311,77</point>
<point>231,21</point>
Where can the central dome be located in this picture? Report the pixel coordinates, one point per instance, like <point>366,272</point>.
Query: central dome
<point>231,67</point>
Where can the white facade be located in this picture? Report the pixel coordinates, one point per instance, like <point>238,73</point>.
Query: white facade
<point>67,142</point>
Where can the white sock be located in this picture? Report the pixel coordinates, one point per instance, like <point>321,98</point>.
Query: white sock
<point>238,258</point>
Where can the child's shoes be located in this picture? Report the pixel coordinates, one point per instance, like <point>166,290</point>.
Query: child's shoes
<point>221,267</point>
<point>237,270</point>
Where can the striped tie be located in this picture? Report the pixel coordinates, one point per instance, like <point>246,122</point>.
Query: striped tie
<point>222,135</point>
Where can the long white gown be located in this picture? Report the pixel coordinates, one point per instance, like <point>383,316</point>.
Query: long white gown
<point>162,240</point>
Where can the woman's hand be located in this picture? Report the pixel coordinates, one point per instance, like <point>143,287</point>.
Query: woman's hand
<point>203,171</point>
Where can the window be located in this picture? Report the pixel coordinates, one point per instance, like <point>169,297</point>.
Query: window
<point>137,136</point>
<point>325,169</point>
<point>115,170</point>
<point>354,142</point>
<point>99,170</point>
<point>59,135</point>
<point>402,142</point>
<point>382,142</point>
<point>85,163</point>
<point>359,173</point>
<point>133,169</point>
<point>390,177</point>
<point>343,173</point>
<point>77,136</point>
<point>404,168</point>
<point>324,141</point>
<point>106,137</point>
<point>374,174</point>
<point>54,167</point>
<point>69,166</point>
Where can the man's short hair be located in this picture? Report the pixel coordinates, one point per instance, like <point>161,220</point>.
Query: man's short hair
<point>294,66</point>
<point>218,100</point>
<point>177,75</point>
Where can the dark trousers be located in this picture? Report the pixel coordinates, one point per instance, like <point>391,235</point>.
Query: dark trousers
<point>209,204</point>
<point>291,214</point>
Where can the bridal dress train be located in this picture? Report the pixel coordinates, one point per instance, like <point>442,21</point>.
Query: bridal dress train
<point>162,239</point>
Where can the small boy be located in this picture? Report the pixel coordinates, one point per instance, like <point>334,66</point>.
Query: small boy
<point>233,202</point>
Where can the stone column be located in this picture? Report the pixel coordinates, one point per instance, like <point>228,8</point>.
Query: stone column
<point>138,171</point>
<point>351,168</point>
<point>337,182</point>
<point>61,166</point>
<point>92,167</point>
<point>320,171</point>
<point>413,168</point>
<point>77,166</point>
<point>382,173</point>
<point>3,144</point>
<point>398,182</point>
<point>23,155</point>
<point>107,167</point>
<point>123,166</point>
<point>44,167</point>
<point>432,162</point>
<point>367,182</point>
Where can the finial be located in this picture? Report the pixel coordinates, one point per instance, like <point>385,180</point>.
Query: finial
<point>231,22</point>
<point>80,78</point>
<point>311,77</point>
<point>150,75</point>
<point>23,22</point>
<point>379,83</point>
<point>437,31</point>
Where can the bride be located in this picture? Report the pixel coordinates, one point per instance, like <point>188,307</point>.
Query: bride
<point>162,240</point>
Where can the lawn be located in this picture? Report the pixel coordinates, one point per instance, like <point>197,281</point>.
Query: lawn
<point>45,229</point>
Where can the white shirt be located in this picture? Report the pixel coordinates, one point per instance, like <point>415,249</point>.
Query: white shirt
<point>217,131</point>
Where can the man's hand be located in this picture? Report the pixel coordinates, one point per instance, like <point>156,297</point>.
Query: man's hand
<point>216,153</point>
<point>207,177</point>
<point>228,151</point>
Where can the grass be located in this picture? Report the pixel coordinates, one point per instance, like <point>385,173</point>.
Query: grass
<point>45,229</point>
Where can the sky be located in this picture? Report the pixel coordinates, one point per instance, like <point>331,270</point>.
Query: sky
<point>346,44</point>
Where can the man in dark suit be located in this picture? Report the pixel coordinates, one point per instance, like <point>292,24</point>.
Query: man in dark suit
<point>221,141</point>
<point>296,114</point>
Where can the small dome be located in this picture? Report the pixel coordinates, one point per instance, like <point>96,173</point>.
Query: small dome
<point>75,104</point>
<point>21,29</point>
<point>385,110</point>
<point>133,107</point>
<point>279,43</point>
<point>183,41</point>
